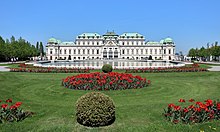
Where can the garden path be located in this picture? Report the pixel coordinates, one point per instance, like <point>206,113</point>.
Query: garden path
<point>214,68</point>
<point>4,68</point>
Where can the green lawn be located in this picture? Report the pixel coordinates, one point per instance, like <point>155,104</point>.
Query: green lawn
<point>136,110</point>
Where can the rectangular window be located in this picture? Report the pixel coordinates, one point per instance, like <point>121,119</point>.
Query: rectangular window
<point>164,51</point>
<point>83,51</point>
<point>127,51</point>
<point>169,51</point>
<point>97,51</point>
<point>65,51</point>
<point>146,51</point>
<point>55,51</point>
<point>151,51</point>
<point>123,51</point>
<point>155,50</point>
<point>87,51</point>
<point>160,51</point>
<point>78,51</point>
<point>70,51</point>
<point>51,51</point>
<point>93,51</point>
<point>132,51</point>
<point>97,43</point>
<point>137,51</point>
<point>142,51</point>
<point>74,51</point>
<point>60,51</point>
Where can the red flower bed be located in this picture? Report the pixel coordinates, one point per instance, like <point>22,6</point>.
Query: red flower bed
<point>105,81</point>
<point>23,65</point>
<point>195,112</point>
<point>165,69</point>
<point>50,70</point>
<point>12,112</point>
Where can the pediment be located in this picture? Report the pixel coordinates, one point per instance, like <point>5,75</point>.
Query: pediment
<point>110,43</point>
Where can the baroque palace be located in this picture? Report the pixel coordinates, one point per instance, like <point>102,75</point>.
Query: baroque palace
<point>131,46</point>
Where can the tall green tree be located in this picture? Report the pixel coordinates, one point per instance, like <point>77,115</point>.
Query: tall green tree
<point>2,48</point>
<point>38,48</point>
<point>215,51</point>
<point>20,49</point>
<point>192,53</point>
<point>41,49</point>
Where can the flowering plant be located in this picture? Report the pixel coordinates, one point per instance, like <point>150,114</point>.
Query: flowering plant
<point>12,112</point>
<point>197,112</point>
<point>50,70</point>
<point>165,69</point>
<point>104,81</point>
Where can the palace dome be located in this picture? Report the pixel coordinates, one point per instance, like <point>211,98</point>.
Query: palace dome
<point>52,40</point>
<point>168,40</point>
<point>162,41</point>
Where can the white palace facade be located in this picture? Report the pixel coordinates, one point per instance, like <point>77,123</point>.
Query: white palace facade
<point>132,46</point>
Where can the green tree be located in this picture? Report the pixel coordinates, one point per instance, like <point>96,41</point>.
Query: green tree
<point>41,49</point>
<point>192,53</point>
<point>38,48</point>
<point>12,39</point>
<point>2,49</point>
<point>20,49</point>
<point>202,53</point>
<point>215,51</point>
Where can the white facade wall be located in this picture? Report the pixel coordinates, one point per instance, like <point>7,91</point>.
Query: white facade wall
<point>122,48</point>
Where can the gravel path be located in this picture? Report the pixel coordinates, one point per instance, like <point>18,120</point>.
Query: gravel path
<point>214,68</point>
<point>4,68</point>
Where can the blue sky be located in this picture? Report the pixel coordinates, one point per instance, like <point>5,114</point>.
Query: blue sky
<point>191,23</point>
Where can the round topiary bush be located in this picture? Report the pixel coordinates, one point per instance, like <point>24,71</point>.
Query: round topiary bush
<point>95,109</point>
<point>107,68</point>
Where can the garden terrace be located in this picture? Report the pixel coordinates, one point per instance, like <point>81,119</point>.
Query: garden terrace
<point>136,109</point>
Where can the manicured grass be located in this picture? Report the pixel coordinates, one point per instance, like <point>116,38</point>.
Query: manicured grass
<point>136,110</point>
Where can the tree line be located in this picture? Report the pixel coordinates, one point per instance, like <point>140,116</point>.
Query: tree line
<point>206,54</point>
<point>19,49</point>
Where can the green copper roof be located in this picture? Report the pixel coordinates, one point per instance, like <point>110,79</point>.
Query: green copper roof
<point>153,42</point>
<point>131,34</point>
<point>110,34</point>
<point>52,40</point>
<point>58,41</point>
<point>162,41</point>
<point>67,43</point>
<point>89,34</point>
<point>168,40</point>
